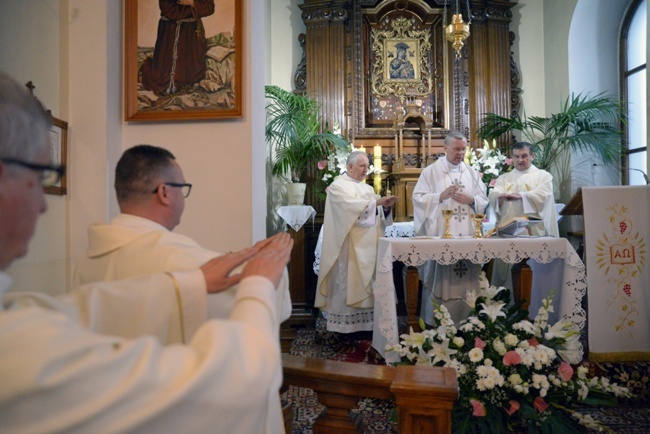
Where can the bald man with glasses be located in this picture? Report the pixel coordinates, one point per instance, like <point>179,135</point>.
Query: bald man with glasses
<point>151,191</point>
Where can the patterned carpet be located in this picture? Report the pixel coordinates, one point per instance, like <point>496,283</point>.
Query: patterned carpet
<point>632,417</point>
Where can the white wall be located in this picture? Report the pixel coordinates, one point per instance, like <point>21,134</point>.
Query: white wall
<point>34,34</point>
<point>594,68</point>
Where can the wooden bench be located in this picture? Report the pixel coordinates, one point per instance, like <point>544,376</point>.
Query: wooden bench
<point>424,396</point>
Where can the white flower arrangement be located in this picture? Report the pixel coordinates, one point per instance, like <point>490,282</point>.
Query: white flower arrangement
<point>489,162</point>
<point>512,373</point>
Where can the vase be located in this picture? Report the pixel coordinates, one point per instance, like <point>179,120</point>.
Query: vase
<point>296,193</point>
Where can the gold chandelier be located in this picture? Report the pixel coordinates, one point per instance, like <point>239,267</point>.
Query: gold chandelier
<point>457,31</point>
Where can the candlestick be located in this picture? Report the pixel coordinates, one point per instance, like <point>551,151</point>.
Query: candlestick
<point>377,183</point>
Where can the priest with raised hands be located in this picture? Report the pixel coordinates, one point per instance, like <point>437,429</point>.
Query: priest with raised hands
<point>448,184</point>
<point>355,219</point>
<point>525,191</point>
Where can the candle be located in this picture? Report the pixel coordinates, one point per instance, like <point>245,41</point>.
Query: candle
<point>362,149</point>
<point>377,183</point>
<point>377,164</point>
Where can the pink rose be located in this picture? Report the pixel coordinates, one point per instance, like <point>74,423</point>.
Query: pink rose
<point>478,343</point>
<point>492,182</point>
<point>322,164</point>
<point>533,342</point>
<point>566,371</point>
<point>508,161</point>
<point>514,406</point>
<point>539,404</point>
<point>479,408</point>
<point>511,358</point>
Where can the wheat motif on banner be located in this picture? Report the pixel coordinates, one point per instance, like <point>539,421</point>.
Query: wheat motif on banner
<point>622,256</point>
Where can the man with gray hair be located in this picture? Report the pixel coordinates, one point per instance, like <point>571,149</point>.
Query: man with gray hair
<point>355,219</point>
<point>448,184</point>
<point>60,375</point>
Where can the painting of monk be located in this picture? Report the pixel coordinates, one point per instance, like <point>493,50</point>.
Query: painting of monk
<point>186,58</point>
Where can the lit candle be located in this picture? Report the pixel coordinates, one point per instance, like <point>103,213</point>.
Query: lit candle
<point>377,183</point>
<point>377,164</point>
<point>362,149</point>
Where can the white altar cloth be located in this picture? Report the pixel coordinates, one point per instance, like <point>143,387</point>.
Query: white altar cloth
<point>396,230</point>
<point>555,264</point>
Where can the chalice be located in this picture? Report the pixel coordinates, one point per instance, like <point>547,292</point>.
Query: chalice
<point>447,213</point>
<point>478,222</point>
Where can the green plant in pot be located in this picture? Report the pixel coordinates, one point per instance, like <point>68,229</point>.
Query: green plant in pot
<point>293,127</point>
<point>584,123</point>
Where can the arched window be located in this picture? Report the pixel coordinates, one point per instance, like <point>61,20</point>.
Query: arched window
<point>633,80</point>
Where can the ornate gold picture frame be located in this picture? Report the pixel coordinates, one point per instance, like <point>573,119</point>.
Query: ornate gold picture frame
<point>183,62</point>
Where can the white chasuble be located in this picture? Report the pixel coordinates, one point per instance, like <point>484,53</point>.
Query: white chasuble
<point>131,246</point>
<point>536,189</point>
<point>352,227</point>
<point>447,284</point>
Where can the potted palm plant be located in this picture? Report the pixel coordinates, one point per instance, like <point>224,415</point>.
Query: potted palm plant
<point>293,128</point>
<point>584,123</point>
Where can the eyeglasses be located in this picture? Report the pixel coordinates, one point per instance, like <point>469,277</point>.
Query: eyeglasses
<point>50,174</point>
<point>185,188</point>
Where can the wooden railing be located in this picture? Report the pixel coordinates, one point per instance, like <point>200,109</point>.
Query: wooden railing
<point>424,395</point>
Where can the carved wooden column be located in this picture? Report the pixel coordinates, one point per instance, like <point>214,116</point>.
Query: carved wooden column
<point>325,51</point>
<point>488,58</point>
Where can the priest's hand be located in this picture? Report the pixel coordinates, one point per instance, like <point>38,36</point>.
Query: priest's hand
<point>509,197</point>
<point>271,260</point>
<point>217,271</point>
<point>463,198</point>
<point>387,201</point>
<point>448,192</point>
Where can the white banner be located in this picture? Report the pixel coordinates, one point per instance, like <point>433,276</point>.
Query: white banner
<point>618,281</point>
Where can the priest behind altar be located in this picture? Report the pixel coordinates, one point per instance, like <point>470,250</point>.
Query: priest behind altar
<point>526,191</point>
<point>448,184</point>
<point>355,219</point>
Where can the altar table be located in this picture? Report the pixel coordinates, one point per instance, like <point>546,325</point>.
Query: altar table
<point>555,264</point>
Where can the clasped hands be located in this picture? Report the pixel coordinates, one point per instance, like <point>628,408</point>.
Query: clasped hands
<point>454,192</point>
<point>267,258</point>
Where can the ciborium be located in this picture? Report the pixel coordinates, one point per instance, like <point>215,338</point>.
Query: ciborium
<point>447,213</point>
<point>478,223</point>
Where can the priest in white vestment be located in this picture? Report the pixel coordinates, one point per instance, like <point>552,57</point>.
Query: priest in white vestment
<point>61,373</point>
<point>151,191</point>
<point>448,184</point>
<point>355,219</point>
<point>526,191</point>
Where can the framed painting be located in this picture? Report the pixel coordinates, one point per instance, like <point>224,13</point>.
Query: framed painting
<point>183,59</point>
<point>402,63</point>
<point>59,149</point>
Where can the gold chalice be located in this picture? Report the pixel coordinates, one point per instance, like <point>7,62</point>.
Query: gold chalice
<point>447,213</point>
<point>478,222</point>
